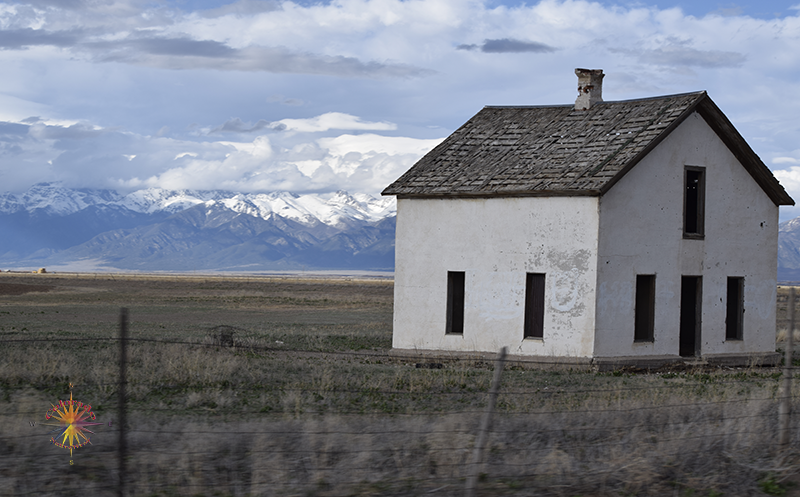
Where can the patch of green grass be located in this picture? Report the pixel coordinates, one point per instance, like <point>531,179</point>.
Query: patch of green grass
<point>770,486</point>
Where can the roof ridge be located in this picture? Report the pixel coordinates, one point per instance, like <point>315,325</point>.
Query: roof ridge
<point>605,102</point>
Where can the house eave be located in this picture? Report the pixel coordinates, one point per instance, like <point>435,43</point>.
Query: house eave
<point>498,194</point>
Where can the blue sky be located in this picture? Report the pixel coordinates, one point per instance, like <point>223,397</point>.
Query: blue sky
<point>306,96</point>
<point>765,9</point>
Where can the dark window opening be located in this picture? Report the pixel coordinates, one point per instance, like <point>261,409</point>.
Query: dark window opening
<point>694,202</point>
<point>735,309</point>
<point>455,302</point>
<point>645,310</point>
<point>690,315</point>
<point>534,305</point>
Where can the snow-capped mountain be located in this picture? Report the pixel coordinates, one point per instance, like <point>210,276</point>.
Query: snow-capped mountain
<point>330,209</point>
<point>179,230</point>
<point>789,250</point>
<point>183,229</point>
<point>54,199</point>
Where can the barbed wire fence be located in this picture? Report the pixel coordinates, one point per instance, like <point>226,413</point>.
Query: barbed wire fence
<point>591,443</point>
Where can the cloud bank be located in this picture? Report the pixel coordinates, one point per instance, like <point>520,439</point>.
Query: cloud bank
<point>281,161</point>
<point>314,96</point>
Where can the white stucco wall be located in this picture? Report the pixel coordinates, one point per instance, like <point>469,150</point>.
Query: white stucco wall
<point>641,232</point>
<point>496,242</point>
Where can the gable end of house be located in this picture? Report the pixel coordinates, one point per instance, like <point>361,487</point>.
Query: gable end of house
<point>715,118</point>
<point>738,146</point>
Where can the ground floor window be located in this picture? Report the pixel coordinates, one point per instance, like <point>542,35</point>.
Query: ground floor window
<point>735,308</point>
<point>534,305</point>
<point>455,302</point>
<point>645,310</point>
<point>691,316</point>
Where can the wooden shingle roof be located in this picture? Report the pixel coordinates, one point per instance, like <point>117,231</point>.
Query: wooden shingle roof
<point>555,150</point>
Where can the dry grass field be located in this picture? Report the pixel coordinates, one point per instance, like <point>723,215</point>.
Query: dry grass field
<point>280,386</point>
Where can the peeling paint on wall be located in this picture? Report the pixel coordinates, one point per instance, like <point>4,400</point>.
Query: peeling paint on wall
<point>565,290</point>
<point>535,252</point>
<point>567,261</point>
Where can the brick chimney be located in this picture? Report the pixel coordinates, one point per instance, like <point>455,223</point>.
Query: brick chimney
<point>590,88</point>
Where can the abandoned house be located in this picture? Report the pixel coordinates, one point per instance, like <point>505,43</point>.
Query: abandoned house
<point>637,232</point>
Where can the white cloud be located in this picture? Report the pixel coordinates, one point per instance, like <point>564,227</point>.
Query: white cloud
<point>382,158</point>
<point>297,161</point>
<point>790,180</point>
<point>334,120</point>
<point>110,80</point>
<point>360,163</point>
<point>325,122</point>
<point>259,148</point>
<point>372,143</point>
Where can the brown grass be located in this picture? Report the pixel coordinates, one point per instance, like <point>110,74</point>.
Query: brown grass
<point>285,387</point>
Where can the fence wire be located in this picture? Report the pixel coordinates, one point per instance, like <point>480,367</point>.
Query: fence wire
<point>624,439</point>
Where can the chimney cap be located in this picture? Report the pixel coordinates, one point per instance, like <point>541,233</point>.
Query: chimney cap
<point>581,71</point>
<point>590,88</point>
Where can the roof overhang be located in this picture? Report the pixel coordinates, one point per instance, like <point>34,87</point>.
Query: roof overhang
<point>503,194</point>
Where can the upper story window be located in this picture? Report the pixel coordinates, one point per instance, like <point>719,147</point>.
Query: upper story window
<point>694,202</point>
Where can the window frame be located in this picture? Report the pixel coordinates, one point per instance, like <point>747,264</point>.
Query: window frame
<point>533,326</point>
<point>694,208</point>
<point>734,308</point>
<point>456,292</point>
<point>644,310</point>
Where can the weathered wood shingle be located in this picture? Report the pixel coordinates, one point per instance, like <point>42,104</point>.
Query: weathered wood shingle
<point>556,150</point>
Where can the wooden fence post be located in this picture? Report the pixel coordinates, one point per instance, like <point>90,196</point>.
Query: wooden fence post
<point>122,399</point>
<point>477,453</point>
<point>785,408</point>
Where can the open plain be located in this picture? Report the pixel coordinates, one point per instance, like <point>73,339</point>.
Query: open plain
<point>287,386</point>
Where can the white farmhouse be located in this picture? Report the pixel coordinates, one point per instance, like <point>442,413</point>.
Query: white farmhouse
<point>637,232</point>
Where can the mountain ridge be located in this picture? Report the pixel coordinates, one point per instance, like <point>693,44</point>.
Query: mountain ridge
<point>55,199</point>
<point>158,229</point>
<point>189,230</point>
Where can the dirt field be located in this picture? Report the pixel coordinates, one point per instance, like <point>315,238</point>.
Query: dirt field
<point>279,386</point>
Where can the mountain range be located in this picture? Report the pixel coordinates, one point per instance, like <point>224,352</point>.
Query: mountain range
<point>184,230</point>
<point>789,251</point>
